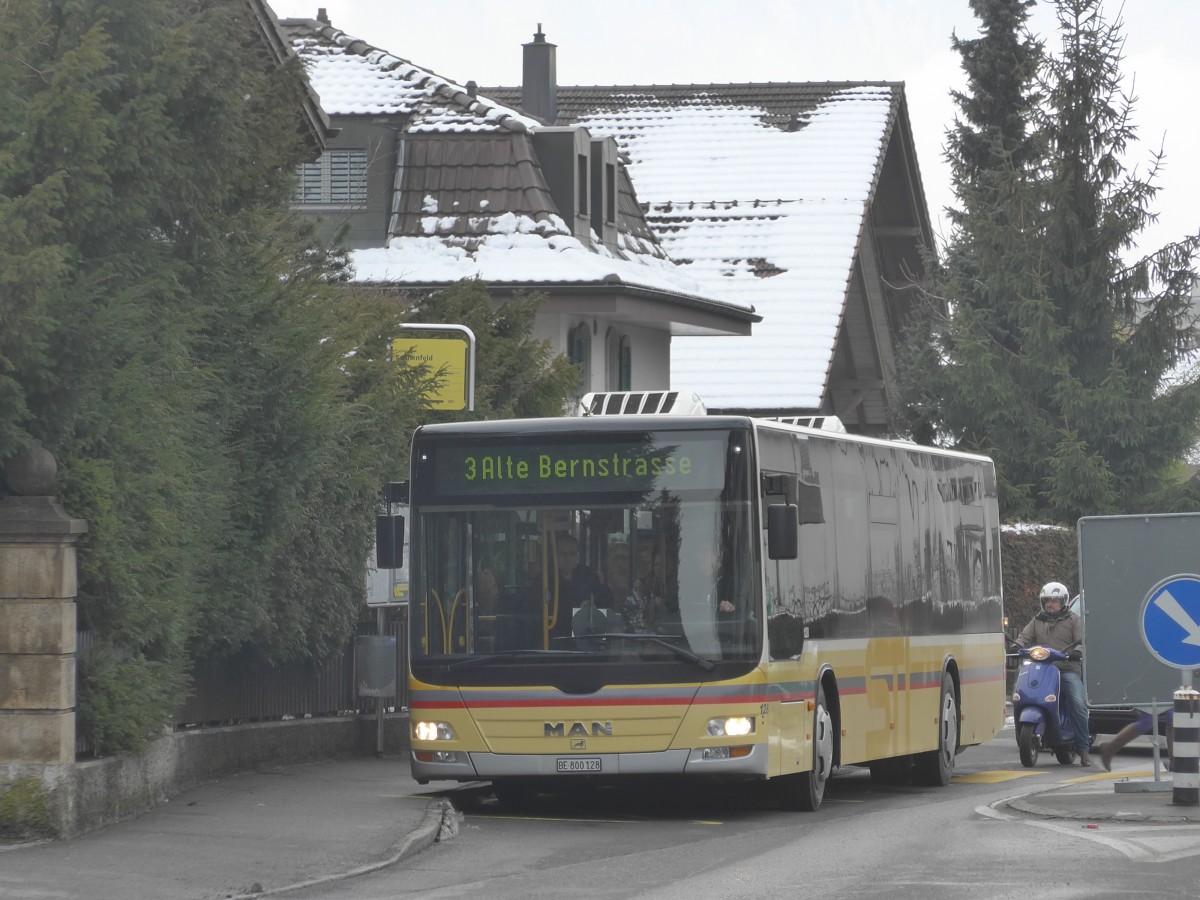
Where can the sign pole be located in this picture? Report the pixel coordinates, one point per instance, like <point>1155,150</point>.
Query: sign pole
<point>379,625</point>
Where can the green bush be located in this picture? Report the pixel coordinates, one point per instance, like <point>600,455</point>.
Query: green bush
<point>24,810</point>
<point>1031,555</point>
<point>121,701</point>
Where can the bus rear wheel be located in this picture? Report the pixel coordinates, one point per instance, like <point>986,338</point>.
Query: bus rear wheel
<point>935,767</point>
<point>805,790</point>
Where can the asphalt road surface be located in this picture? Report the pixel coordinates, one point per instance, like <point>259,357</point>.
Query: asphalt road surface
<point>867,841</point>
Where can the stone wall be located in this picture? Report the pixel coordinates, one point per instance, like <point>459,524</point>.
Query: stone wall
<point>83,796</point>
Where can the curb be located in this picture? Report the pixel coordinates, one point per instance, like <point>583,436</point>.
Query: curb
<point>1030,807</point>
<point>440,822</point>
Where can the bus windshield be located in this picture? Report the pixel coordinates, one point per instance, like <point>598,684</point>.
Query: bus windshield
<point>637,574</point>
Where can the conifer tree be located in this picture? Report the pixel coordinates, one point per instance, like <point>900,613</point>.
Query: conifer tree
<point>171,333</point>
<point>1038,345</point>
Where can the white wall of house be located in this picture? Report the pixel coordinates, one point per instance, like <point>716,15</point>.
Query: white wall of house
<point>649,350</point>
<point>651,363</point>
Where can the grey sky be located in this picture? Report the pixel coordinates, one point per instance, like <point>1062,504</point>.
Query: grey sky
<point>686,41</point>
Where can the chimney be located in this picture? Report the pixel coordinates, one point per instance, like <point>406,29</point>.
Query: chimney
<point>539,81</point>
<point>322,15</point>
<point>472,89</point>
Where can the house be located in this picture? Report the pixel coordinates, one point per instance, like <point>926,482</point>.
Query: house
<point>801,200</point>
<point>313,123</point>
<point>438,183</point>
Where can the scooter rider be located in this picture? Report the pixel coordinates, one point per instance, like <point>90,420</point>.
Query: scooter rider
<point>1058,628</point>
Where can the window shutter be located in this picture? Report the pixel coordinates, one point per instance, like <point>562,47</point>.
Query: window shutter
<point>338,177</point>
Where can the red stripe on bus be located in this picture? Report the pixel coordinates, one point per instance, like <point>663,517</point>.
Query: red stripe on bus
<point>616,701</point>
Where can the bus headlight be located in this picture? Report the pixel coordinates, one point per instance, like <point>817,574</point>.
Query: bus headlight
<point>433,731</point>
<point>733,726</point>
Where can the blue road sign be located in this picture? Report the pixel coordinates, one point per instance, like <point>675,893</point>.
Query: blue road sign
<point>1171,621</point>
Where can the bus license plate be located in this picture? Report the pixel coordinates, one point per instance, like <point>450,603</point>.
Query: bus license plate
<point>579,764</point>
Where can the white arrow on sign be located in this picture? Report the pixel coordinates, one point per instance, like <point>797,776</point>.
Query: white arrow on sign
<point>1171,607</point>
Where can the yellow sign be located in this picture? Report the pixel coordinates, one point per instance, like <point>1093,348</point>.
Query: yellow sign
<point>447,359</point>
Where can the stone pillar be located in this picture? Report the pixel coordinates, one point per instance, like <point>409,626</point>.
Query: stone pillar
<point>37,615</point>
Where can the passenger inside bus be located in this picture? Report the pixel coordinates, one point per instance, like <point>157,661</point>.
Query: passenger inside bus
<point>616,579</point>
<point>584,601</point>
<point>643,587</point>
<point>714,612</point>
<point>487,595</point>
<point>616,589</point>
<point>577,585</point>
<point>520,616</point>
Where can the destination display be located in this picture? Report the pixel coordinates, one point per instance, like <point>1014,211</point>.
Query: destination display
<point>676,462</point>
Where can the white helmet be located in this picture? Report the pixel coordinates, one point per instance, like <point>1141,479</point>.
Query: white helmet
<point>1054,590</point>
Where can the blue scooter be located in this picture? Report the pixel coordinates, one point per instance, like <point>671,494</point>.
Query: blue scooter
<point>1041,720</point>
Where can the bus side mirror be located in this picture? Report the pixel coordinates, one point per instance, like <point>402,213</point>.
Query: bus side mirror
<point>389,542</point>
<point>809,501</point>
<point>783,531</point>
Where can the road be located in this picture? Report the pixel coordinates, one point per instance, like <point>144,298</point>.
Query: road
<point>867,841</point>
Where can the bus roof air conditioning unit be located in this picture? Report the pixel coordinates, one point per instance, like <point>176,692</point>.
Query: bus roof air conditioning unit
<point>821,423</point>
<point>642,403</point>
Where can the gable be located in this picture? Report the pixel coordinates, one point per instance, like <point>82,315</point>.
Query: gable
<point>767,192</point>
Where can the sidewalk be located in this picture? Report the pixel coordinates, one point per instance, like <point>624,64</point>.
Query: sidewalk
<point>246,835</point>
<point>1095,795</point>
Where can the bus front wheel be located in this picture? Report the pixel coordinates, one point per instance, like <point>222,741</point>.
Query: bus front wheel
<point>805,790</point>
<point>515,793</point>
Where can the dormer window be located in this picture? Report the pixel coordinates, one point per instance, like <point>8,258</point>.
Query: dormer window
<point>338,178</point>
<point>581,183</point>
<point>610,196</point>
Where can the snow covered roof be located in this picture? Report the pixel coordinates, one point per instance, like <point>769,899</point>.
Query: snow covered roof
<point>353,78</point>
<point>761,192</point>
<point>470,197</point>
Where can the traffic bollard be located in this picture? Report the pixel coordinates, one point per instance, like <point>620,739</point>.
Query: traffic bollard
<point>1185,752</point>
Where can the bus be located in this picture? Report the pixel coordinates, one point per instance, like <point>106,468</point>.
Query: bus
<point>714,597</point>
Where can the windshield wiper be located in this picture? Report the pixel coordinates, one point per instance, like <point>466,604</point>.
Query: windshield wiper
<point>703,662</point>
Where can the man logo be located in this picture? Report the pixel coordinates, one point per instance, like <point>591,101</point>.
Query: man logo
<point>577,729</point>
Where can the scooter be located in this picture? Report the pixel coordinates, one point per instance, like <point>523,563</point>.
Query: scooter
<point>1041,719</point>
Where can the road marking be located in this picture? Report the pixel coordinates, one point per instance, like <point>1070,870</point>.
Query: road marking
<point>1094,776</point>
<point>994,776</point>
<point>577,821</point>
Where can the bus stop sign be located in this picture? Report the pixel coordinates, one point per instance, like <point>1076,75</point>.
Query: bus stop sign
<point>1171,621</point>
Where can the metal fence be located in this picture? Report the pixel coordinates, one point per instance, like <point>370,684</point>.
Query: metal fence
<point>235,692</point>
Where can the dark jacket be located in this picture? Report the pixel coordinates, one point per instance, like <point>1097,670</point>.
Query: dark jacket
<point>1057,633</point>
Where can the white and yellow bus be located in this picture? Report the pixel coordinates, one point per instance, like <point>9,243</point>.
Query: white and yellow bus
<point>710,597</point>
